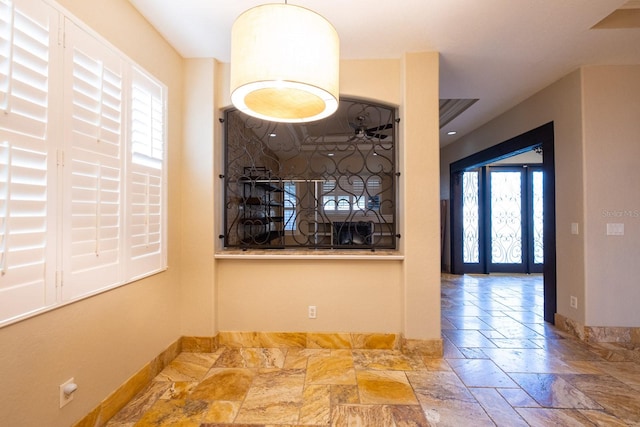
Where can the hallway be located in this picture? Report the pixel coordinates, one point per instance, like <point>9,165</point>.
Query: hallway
<point>502,366</point>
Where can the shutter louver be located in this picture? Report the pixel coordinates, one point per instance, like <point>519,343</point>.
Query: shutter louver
<point>27,167</point>
<point>93,169</point>
<point>146,176</point>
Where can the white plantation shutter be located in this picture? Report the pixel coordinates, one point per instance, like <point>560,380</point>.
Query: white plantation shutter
<point>79,123</point>
<point>349,192</point>
<point>358,187</point>
<point>93,165</point>
<point>27,162</point>
<point>328,195</point>
<point>373,186</point>
<point>146,176</point>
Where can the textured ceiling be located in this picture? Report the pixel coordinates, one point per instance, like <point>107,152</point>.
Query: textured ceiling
<point>497,51</point>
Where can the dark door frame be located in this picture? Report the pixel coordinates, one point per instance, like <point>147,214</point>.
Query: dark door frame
<point>542,137</point>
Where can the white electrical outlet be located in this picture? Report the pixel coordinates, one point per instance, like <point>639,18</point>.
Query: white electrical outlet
<point>312,312</point>
<point>573,302</point>
<point>67,390</point>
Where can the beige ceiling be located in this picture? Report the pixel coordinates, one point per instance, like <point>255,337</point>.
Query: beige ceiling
<point>497,51</point>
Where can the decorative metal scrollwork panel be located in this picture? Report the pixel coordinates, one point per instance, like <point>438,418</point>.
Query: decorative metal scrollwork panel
<point>326,184</point>
<point>470,218</point>
<point>538,217</point>
<point>506,217</point>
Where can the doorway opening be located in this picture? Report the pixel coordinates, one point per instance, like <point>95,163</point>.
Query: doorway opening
<point>503,217</point>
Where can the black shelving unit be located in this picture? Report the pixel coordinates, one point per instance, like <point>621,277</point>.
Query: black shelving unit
<point>262,209</point>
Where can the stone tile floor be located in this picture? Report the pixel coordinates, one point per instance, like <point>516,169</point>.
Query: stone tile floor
<point>503,365</point>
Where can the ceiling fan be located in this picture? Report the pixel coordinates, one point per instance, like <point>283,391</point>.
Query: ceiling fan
<point>361,131</point>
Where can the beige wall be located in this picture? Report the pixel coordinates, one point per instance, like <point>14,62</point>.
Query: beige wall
<point>612,194</point>
<point>273,295</point>
<point>102,340</point>
<point>596,125</point>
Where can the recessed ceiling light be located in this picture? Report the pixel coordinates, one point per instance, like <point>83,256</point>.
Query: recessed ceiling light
<point>272,135</point>
<point>330,154</point>
<point>452,132</point>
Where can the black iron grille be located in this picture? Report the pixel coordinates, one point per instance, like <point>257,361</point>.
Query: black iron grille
<point>329,184</point>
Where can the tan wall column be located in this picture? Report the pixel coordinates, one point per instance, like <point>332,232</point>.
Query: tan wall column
<point>419,187</point>
<point>197,195</point>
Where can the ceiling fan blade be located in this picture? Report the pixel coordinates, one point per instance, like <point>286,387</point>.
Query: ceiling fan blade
<point>371,132</point>
<point>379,128</point>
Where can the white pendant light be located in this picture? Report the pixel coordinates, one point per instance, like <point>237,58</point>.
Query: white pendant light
<point>284,64</point>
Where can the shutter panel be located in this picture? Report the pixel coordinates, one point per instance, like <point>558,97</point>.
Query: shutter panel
<point>93,171</point>
<point>328,195</point>
<point>146,177</point>
<point>371,193</point>
<point>27,166</point>
<point>26,39</point>
<point>290,203</point>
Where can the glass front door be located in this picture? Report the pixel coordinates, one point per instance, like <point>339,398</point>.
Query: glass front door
<point>502,220</point>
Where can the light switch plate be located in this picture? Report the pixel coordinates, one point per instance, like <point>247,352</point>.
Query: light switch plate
<point>65,398</point>
<point>615,229</point>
